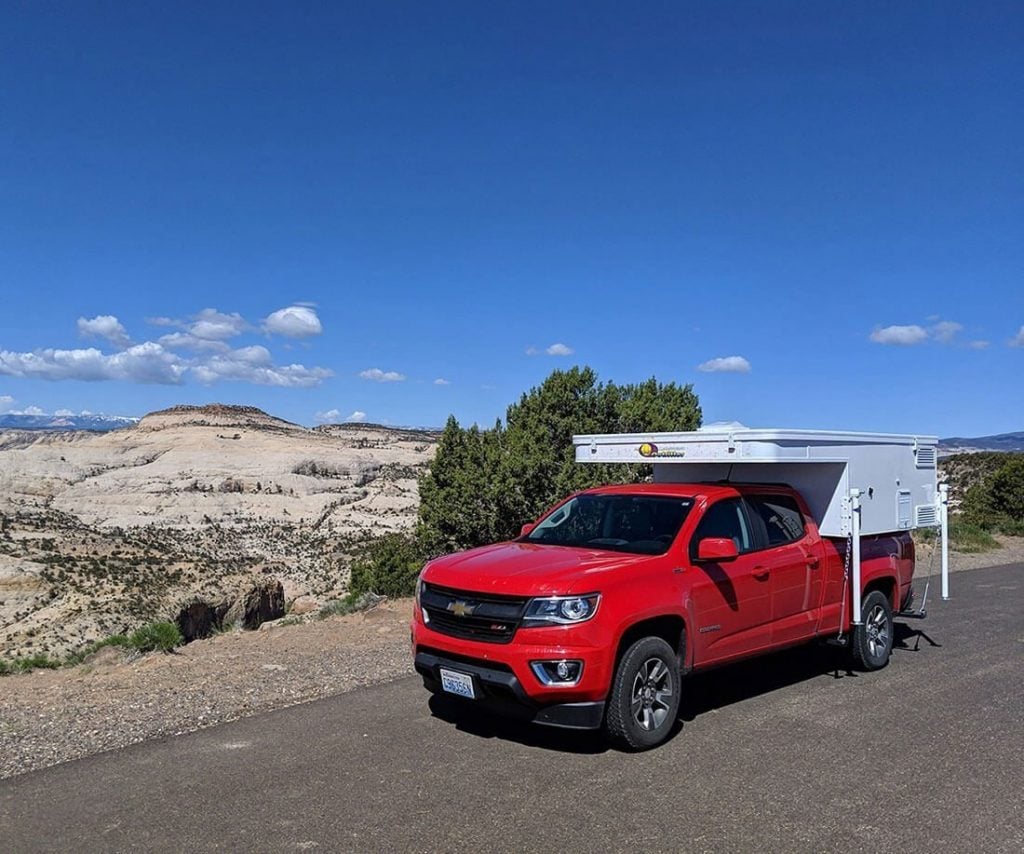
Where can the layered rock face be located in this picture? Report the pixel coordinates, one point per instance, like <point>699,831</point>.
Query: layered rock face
<point>101,532</point>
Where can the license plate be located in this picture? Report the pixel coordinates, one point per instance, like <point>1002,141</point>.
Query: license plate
<point>457,683</point>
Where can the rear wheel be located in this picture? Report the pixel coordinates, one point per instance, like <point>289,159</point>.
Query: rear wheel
<point>644,700</point>
<point>872,639</point>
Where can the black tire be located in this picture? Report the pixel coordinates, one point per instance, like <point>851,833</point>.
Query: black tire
<point>644,701</point>
<point>871,642</point>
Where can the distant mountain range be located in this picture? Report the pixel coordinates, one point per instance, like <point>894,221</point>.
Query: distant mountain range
<point>66,423</point>
<point>999,442</point>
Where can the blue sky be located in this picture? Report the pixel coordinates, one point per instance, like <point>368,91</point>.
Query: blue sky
<point>813,212</point>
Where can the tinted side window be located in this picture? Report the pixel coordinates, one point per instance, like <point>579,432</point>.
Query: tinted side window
<point>782,519</point>
<point>724,519</point>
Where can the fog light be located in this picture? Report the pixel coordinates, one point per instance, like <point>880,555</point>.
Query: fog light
<point>564,673</point>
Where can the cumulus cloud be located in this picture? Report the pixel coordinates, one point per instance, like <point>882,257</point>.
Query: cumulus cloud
<point>214,325</point>
<point>295,321</point>
<point>198,351</point>
<point>63,413</point>
<point>441,381</point>
<point>333,416</point>
<point>6,402</point>
<point>556,349</point>
<point>188,341</point>
<point>945,331</point>
<point>379,376</point>
<point>1018,339</point>
<point>904,336</point>
<point>725,365</point>
<point>104,326</point>
<point>255,365</point>
<point>141,363</point>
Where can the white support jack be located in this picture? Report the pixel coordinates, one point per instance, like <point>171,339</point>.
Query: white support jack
<point>944,533</point>
<point>855,617</point>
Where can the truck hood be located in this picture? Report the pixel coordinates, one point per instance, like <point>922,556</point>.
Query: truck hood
<point>527,569</point>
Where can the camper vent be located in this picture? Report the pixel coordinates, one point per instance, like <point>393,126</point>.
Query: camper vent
<point>926,516</point>
<point>926,458</point>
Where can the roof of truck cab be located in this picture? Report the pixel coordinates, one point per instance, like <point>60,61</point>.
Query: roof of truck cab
<point>686,490</point>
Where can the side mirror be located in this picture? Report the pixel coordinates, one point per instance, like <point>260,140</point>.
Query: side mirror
<point>526,529</point>
<point>717,549</point>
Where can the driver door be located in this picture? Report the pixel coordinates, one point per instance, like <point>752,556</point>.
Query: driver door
<point>731,599</point>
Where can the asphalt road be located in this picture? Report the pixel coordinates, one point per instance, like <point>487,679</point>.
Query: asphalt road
<point>780,754</point>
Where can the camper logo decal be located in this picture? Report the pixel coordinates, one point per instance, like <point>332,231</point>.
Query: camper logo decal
<point>649,449</point>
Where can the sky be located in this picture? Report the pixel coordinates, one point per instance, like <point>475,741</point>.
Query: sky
<point>813,212</point>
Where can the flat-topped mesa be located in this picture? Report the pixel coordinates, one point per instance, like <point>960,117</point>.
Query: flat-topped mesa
<point>214,415</point>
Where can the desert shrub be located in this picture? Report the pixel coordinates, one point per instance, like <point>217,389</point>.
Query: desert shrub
<point>964,536</point>
<point>996,502</point>
<point>23,664</point>
<point>349,605</point>
<point>162,636</point>
<point>387,566</point>
<point>80,655</point>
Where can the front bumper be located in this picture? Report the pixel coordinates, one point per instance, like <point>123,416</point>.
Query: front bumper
<point>499,690</point>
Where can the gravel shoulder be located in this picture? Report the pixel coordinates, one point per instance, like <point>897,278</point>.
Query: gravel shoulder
<point>52,716</point>
<point>48,717</point>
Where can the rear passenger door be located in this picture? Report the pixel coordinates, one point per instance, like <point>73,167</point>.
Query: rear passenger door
<point>731,599</point>
<point>792,557</point>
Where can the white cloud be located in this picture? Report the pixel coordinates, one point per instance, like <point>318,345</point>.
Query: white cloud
<point>379,376</point>
<point>903,335</point>
<point>63,413</point>
<point>215,325</point>
<point>978,345</point>
<point>441,381</point>
<point>726,365</point>
<point>945,331</point>
<point>1018,339</point>
<point>255,365</point>
<point>163,321</point>
<point>295,321</point>
<point>142,363</point>
<point>104,326</point>
<point>331,416</point>
<point>357,416</point>
<point>556,349</point>
<point>6,401</point>
<point>30,410</point>
<point>188,341</point>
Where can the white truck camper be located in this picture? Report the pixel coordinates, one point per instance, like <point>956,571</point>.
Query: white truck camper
<point>856,484</point>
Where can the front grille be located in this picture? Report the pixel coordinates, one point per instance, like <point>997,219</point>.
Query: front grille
<point>473,616</point>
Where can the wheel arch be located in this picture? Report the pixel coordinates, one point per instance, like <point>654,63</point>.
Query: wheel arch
<point>669,627</point>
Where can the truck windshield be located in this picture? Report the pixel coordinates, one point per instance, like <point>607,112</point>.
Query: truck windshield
<point>642,524</point>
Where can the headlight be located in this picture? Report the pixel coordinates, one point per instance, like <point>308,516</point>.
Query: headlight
<point>561,610</point>
<point>419,586</point>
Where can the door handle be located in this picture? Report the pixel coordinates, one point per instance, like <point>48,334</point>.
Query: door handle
<point>760,572</point>
<point>813,562</point>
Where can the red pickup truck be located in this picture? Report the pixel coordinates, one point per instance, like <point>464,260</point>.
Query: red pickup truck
<point>593,616</point>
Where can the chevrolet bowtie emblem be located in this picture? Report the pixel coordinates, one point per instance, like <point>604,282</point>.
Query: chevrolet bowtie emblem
<point>461,609</point>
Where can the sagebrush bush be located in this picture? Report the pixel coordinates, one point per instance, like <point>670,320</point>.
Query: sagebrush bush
<point>163,636</point>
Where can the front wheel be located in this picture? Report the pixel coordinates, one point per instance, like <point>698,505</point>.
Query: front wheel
<point>872,639</point>
<point>644,699</point>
